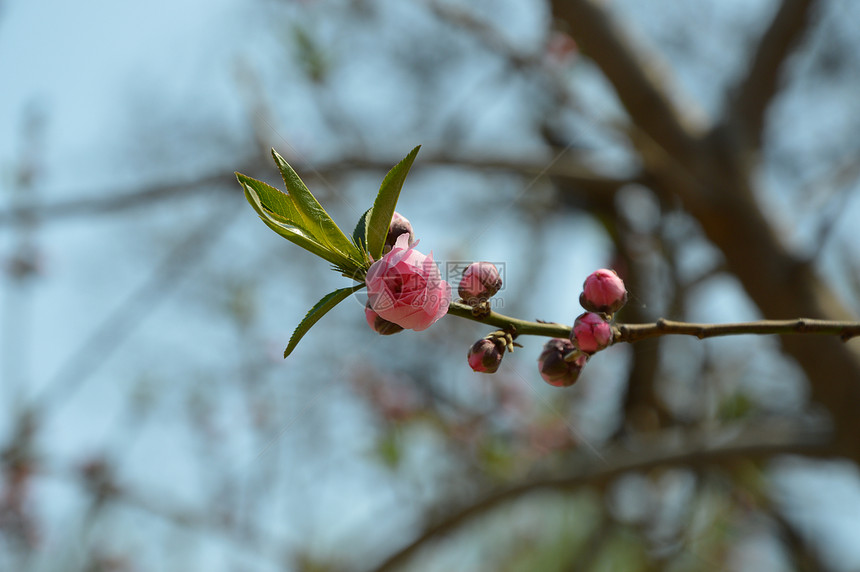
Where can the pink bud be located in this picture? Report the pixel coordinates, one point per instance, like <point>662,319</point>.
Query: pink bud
<point>379,324</point>
<point>399,225</point>
<point>485,356</point>
<point>479,282</point>
<point>591,333</point>
<point>552,366</point>
<point>603,291</point>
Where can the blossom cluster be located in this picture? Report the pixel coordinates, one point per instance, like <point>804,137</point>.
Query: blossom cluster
<point>562,360</point>
<point>406,291</point>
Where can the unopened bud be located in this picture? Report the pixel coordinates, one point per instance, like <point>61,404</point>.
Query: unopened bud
<point>379,324</point>
<point>479,283</point>
<point>603,291</point>
<point>552,366</point>
<point>591,333</point>
<point>399,225</point>
<point>485,355</point>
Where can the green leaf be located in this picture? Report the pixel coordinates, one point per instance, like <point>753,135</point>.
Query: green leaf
<point>315,219</point>
<point>359,234</point>
<point>383,207</point>
<point>264,198</point>
<point>276,201</point>
<point>319,310</point>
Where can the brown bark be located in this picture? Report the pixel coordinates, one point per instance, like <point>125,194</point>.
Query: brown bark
<point>711,174</point>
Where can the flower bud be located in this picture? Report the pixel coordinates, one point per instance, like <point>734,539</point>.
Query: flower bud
<point>479,282</point>
<point>603,291</point>
<point>399,225</point>
<point>485,355</point>
<point>552,366</point>
<point>591,333</point>
<point>379,324</point>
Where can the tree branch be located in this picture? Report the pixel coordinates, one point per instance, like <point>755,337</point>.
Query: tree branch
<point>579,176</point>
<point>702,449</point>
<point>635,332</point>
<point>712,177</point>
<point>513,325</point>
<point>758,86</point>
<point>112,201</point>
<point>636,74</point>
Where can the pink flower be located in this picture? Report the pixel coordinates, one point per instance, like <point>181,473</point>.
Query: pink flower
<point>405,287</point>
<point>485,356</point>
<point>591,333</point>
<point>603,291</point>
<point>480,282</point>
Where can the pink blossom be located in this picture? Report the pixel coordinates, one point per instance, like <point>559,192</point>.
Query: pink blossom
<point>405,287</point>
<point>603,291</point>
<point>480,281</point>
<point>591,333</point>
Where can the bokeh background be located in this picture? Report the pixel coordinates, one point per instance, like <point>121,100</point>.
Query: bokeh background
<point>706,150</point>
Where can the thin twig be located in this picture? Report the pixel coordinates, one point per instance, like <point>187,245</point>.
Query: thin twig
<point>513,325</point>
<point>635,332</point>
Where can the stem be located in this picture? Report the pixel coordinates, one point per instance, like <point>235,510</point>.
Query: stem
<point>514,325</point>
<point>634,332</point>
